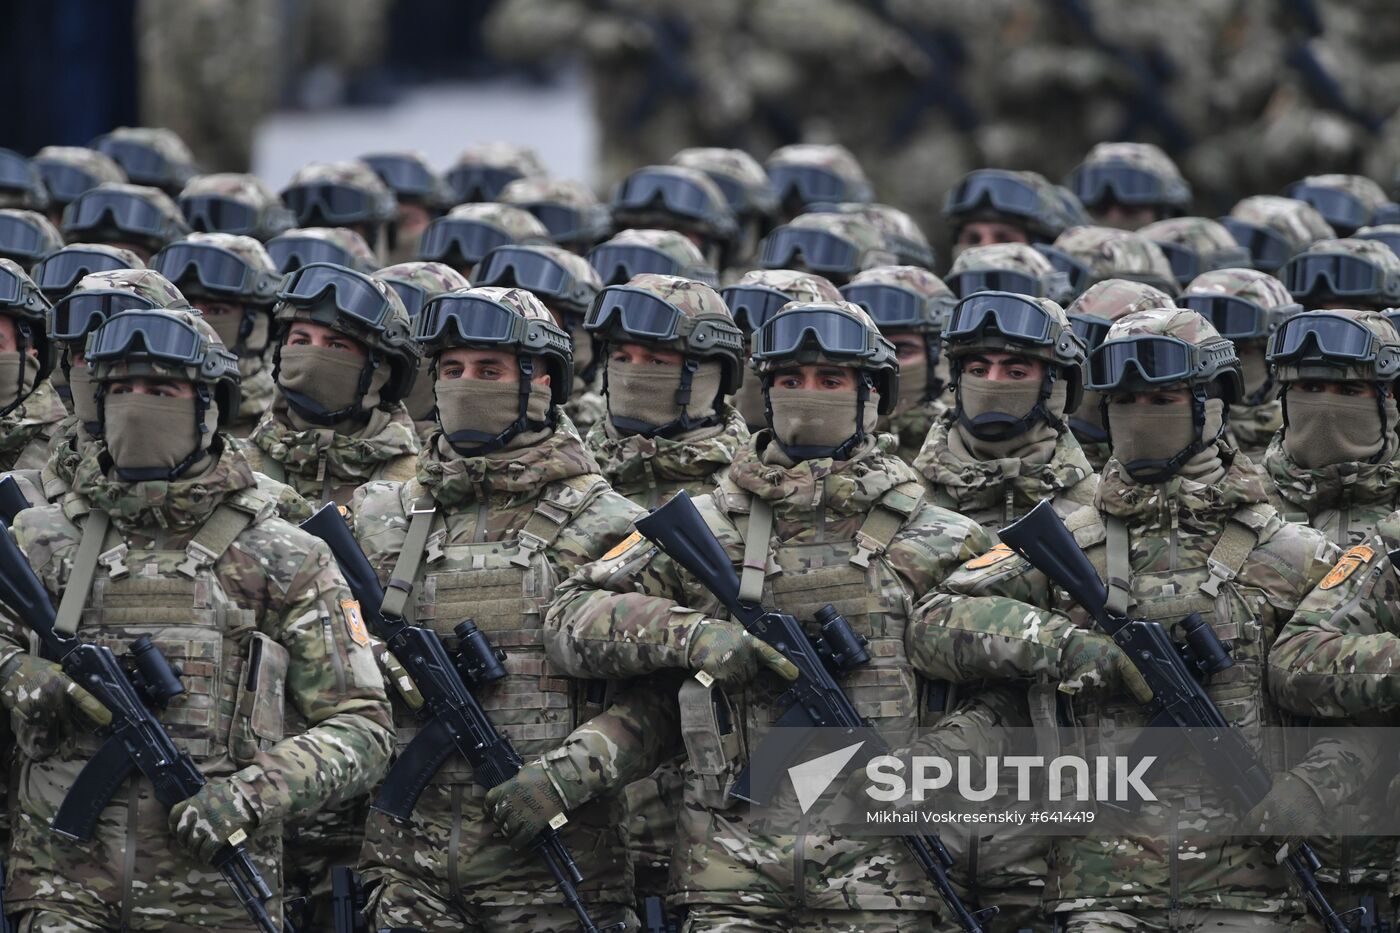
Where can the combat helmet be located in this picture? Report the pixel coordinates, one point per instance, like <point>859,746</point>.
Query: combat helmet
<point>226,268</point>
<point>232,202</point>
<point>484,169</point>
<point>567,208</point>
<point>906,298</point>
<point>740,177</point>
<point>341,194</point>
<point>21,184</point>
<point>671,197</point>
<point>24,304</point>
<point>663,252</point>
<point>1347,202</point>
<point>118,213</point>
<point>58,272</point>
<point>416,284</point>
<point>68,171</point>
<point>1008,267</point>
<point>304,245</point>
<point>1131,174</point>
<point>1022,199</point>
<point>836,246</point>
<point>412,179</point>
<point>1273,228</point>
<point>1194,245</point>
<point>152,156</point>
<point>470,231</point>
<point>1364,273</point>
<point>27,236</point>
<point>1092,254</point>
<point>812,173</point>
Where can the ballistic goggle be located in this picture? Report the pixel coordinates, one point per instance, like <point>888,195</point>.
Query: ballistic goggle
<point>467,241</point>
<point>1268,250</point>
<point>1187,263</point>
<point>621,312</point>
<point>333,204</point>
<point>1342,209</point>
<point>896,308</point>
<point>353,293</point>
<point>21,293</point>
<point>1238,318</point>
<point>616,263</point>
<point>1090,330</point>
<point>412,296</point>
<point>219,271</point>
<point>1003,191</point>
<point>475,183</point>
<point>642,190</point>
<point>1054,286</point>
<point>567,224</point>
<point>752,305</point>
<point>290,253</point>
<point>143,164</point>
<point>820,251</point>
<point>21,238</point>
<point>1077,274</point>
<point>1016,318</point>
<point>1157,360</point>
<point>57,273</point>
<point>535,272</point>
<point>218,213</point>
<point>1320,336</point>
<point>76,315</point>
<point>406,177</point>
<point>1339,274</point>
<point>1391,240</point>
<point>744,200</point>
<point>124,211</point>
<point>1126,184</point>
<point>63,180</point>
<point>828,330</point>
<point>162,338</point>
<point>18,174</point>
<point>479,320</point>
<point>810,184</point>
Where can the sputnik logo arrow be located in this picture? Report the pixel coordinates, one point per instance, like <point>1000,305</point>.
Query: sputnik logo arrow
<point>811,778</point>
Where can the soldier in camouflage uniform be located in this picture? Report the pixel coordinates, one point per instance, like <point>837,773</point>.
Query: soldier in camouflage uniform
<point>835,246</point>
<point>483,169</point>
<point>567,208</point>
<point>1007,267</point>
<point>686,200</point>
<point>1246,306</point>
<point>23,186</point>
<point>506,502</point>
<point>470,231</point>
<point>749,192</point>
<point>68,171</point>
<point>1090,315</point>
<point>420,192</point>
<point>804,174</point>
<point>910,306</point>
<point>363,203</point>
<point>1195,245</point>
<point>143,220</point>
<point>753,300</point>
<point>1129,185</point>
<point>201,564</point>
<point>1092,254</point>
<point>666,252</point>
<point>844,523</point>
<point>1180,523</point>
<point>1372,277</point>
<point>1388,233</point>
<point>1273,228</point>
<point>58,273</point>
<point>234,203</point>
<point>417,283</point>
<point>566,284</point>
<point>1346,202</point>
<point>231,280</point>
<point>902,236</point>
<point>340,245</point>
<point>27,236</point>
<point>30,410</point>
<point>149,155</point>
<point>990,206</point>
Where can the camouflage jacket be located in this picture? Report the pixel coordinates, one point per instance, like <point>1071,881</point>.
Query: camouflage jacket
<point>585,407</point>
<point>488,510</point>
<point>912,427</point>
<point>322,465</point>
<point>264,582</point>
<point>995,493</point>
<point>26,432</point>
<point>1252,427</point>
<point>998,619</point>
<point>649,470</point>
<point>1344,501</point>
<point>633,612</point>
<point>257,392</point>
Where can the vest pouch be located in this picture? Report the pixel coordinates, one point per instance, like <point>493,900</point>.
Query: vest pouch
<point>712,742</point>
<point>260,705</point>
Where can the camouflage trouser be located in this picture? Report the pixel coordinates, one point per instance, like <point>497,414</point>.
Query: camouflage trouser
<point>652,805</point>
<point>396,904</point>
<point>714,918</point>
<point>47,921</point>
<point>1187,921</point>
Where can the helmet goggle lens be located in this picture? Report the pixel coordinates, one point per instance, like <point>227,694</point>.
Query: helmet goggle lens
<point>355,294</point>
<point>476,320</point>
<point>1126,184</point>
<point>1324,335</point>
<point>968,283</point>
<point>1003,191</point>
<point>809,184</point>
<point>217,213</point>
<point>77,315</point>
<point>1013,316</point>
<point>142,163</point>
<point>891,307</point>
<point>19,237</point>
<point>562,222</point>
<point>753,305</point>
<point>403,175</point>
<point>617,263</point>
<point>475,183</point>
<point>641,190</point>
<point>1090,330</point>
<point>1337,274</point>
<point>215,268</point>
<point>1341,209</point>
<point>15,292</point>
<point>511,265</point>
<point>411,295</point>
<point>291,253</point>
<point>127,212</point>
<point>820,251</point>
<point>328,203</point>
<point>1079,275</point>
<point>468,239</point>
<point>63,181</point>
<point>1267,248</point>
<point>1157,360</point>
<point>631,313</point>
<point>835,333</point>
<point>1185,261</point>
<point>1235,317</point>
<point>162,336</point>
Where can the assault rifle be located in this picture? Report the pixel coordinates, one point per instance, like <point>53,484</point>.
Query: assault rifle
<point>815,699</point>
<point>454,720</point>
<point>1174,674</point>
<point>129,687</point>
<point>12,500</point>
<point>347,901</point>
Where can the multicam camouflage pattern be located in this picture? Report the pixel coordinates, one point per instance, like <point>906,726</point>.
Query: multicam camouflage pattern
<point>165,142</point>
<point>1055,212</point>
<point>1110,253</point>
<point>246,248</point>
<point>518,223</point>
<point>266,586</point>
<point>1164,322</point>
<point>395,322</point>
<point>987,339</point>
<point>1344,501</point>
<point>738,166</point>
<point>833,157</point>
<point>1111,299</point>
<point>719,225</point>
<point>250,191</point>
<point>349,240</point>
<point>693,299</point>
<point>147,283</point>
<point>1298,222</point>
<point>499,154</point>
<point>650,470</point>
<point>633,612</point>
<point>1208,239</point>
<point>870,243</point>
<point>994,493</point>
<point>1013,257</point>
<point>674,244</point>
<point>1016,629</point>
<point>1373,251</point>
<point>1365,190</point>
<point>353,174</point>
<point>433,277</point>
<point>563,192</point>
<point>915,278</point>
<point>50,239</point>
<point>449,862</point>
<point>97,164</point>
<point>902,236</point>
<point>162,202</point>
<point>1146,156</point>
<point>1260,287</point>
<point>27,432</point>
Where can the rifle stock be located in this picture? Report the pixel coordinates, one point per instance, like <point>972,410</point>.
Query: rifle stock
<point>12,500</point>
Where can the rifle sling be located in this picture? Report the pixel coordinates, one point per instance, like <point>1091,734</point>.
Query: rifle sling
<point>406,568</point>
<point>70,606</point>
<point>756,540</point>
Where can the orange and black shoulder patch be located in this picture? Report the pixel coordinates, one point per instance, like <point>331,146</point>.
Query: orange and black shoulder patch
<point>995,556</point>
<point>355,622</point>
<point>1354,559</point>
<point>623,545</point>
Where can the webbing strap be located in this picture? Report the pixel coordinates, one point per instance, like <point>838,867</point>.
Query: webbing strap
<point>212,540</point>
<point>1120,571</point>
<point>883,522</point>
<point>756,539</point>
<point>406,567</point>
<point>1236,542</point>
<point>70,606</point>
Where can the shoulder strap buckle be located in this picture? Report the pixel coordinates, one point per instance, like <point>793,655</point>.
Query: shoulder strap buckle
<point>114,559</point>
<point>197,558</point>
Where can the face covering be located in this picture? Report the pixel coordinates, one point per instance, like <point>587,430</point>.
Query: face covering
<point>149,435</point>
<point>1253,367</point>
<point>642,397</point>
<point>17,374</point>
<point>327,379</point>
<point>475,412</point>
<point>812,423</point>
<point>420,400</point>
<point>1005,401</point>
<point>229,327</point>
<point>1145,436</point>
<point>1324,429</point>
<point>913,383</point>
<point>748,401</point>
<point>84,393</point>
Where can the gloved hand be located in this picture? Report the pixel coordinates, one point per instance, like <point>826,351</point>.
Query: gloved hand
<point>205,823</point>
<point>1292,808</point>
<point>523,805</point>
<point>1091,660</point>
<point>729,654</point>
<point>45,705</point>
<point>396,675</point>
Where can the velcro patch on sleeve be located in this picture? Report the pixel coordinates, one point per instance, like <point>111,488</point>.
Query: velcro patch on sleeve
<point>622,546</point>
<point>1354,559</point>
<point>995,556</point>
<point>355,622</point>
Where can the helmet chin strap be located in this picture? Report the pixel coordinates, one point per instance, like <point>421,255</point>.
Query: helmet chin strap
<point>689,367</point>
<point>1261,395</point>
<point>933,386</point>
<point>1000,426</point>
<point>1152,472</point>
<point>318,414</point>
<point>203,400</point>
<point>1086,431</point>
<point>842,451</point>
<point>478,443</point>
<point>24,342</point>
